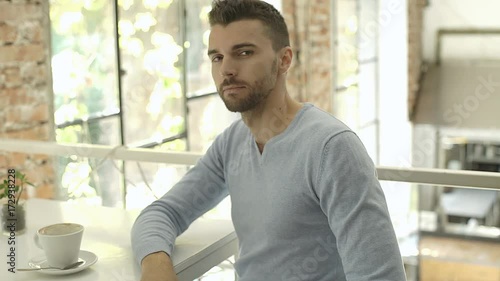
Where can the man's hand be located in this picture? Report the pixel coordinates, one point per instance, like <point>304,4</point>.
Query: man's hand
<point>157,267</point>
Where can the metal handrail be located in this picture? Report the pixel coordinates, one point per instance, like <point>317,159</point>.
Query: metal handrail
<point>441,177</point>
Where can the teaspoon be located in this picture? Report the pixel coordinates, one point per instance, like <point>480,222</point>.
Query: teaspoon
<point>71,266</point>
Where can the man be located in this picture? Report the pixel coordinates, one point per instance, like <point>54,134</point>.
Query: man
<point>306,203</point>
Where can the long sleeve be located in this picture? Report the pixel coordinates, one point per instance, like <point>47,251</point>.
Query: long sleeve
<point>351,197</point>
<point>201,189</point>
<point>309,207</point>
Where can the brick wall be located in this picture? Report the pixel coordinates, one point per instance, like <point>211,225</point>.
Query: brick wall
<point>309,79</point>
<point>415,22</point>
<point>25,87</point>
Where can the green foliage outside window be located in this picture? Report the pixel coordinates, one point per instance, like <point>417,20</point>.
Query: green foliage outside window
<point>85,78</point>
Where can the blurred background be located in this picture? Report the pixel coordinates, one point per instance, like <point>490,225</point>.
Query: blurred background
<point>417,80</point>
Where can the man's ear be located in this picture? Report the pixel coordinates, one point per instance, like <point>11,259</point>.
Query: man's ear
<point>286,55</point>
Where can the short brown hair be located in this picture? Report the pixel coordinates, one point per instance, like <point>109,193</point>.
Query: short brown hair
<point>225,12</point>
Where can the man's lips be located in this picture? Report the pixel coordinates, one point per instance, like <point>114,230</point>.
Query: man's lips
<point>231,88</point>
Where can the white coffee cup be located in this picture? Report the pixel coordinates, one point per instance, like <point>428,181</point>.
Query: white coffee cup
<point>61,243</point>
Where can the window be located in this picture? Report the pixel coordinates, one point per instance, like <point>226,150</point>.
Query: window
<point>86,96</point>
<point>135,73</point>
<point>355,95</point>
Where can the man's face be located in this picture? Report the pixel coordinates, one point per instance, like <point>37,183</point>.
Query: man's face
<point>244,64</point>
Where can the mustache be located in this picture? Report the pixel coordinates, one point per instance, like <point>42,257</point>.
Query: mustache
<point>231,81</point>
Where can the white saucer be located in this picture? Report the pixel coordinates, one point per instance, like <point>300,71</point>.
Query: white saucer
<point>87,257</point>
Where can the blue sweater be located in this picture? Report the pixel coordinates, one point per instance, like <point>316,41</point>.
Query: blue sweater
<point>309,207</point>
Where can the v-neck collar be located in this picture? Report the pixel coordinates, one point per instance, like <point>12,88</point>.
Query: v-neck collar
<point>291,126</point>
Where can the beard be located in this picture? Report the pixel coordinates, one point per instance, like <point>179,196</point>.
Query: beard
<point>257,93</point>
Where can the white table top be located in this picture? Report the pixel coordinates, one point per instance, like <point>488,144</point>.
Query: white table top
<point>107,234</point>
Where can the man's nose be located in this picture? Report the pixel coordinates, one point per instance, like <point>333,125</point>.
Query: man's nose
<point>228,68</point>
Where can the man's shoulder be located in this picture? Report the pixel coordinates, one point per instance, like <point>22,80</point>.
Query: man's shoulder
<point>235,131</point>
<point>318,121</point>
<point>236,128</point>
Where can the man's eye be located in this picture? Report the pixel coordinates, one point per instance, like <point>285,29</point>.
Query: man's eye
<point>246,53</point>
<point>216,58</point>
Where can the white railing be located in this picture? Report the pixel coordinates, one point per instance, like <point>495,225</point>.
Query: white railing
<point>442,177</point>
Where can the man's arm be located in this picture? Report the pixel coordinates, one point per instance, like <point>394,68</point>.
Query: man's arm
<point>157,227</point>
<point>351,197</point>
<point>158,267</point>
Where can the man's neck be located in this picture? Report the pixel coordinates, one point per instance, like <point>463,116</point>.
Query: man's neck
<point>271,118</point>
